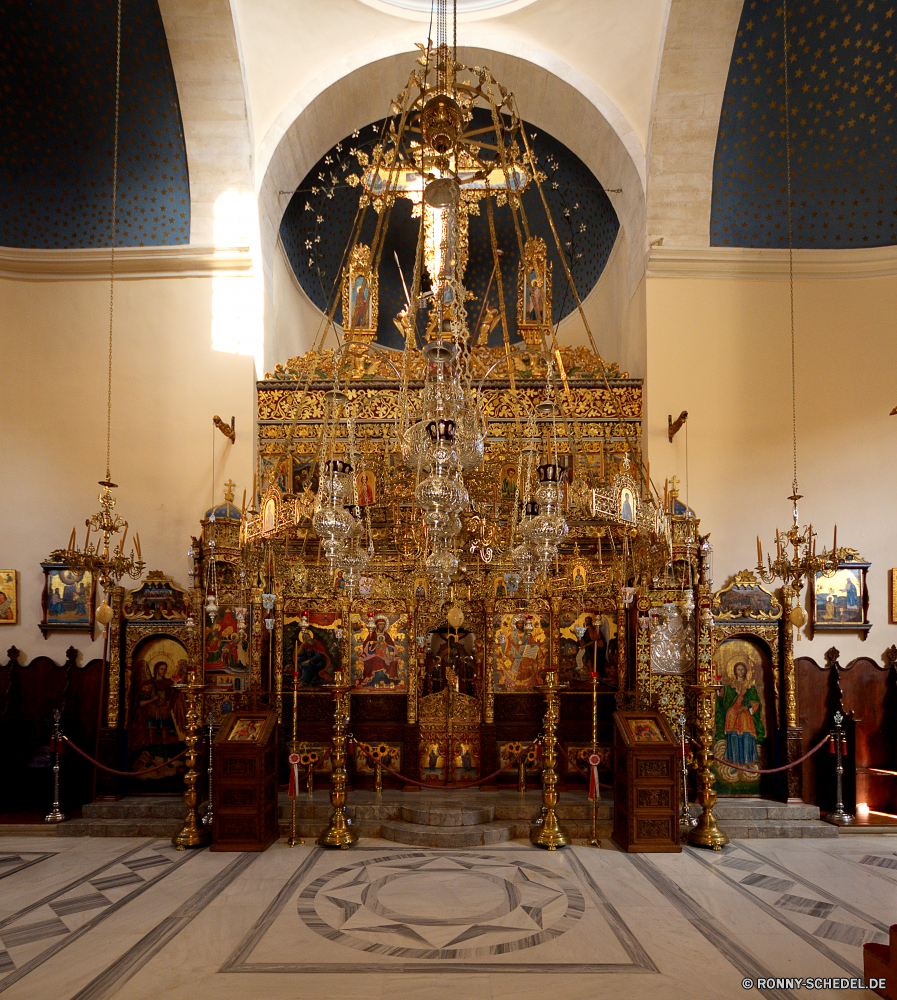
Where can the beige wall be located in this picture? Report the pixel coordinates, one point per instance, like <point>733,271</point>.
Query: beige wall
<point>720,348</point>
<point>168,383</point>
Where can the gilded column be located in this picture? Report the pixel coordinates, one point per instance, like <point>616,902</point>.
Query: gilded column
<point>706,833</point>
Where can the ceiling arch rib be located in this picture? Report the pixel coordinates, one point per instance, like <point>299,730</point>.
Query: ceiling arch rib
<point>551,96</point>
<point>693,73</point>
<point>205,57</point>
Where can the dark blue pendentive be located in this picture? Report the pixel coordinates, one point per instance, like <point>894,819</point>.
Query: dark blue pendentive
<point>842,81</point>
<point>317,225</point>
<point>57,81</point>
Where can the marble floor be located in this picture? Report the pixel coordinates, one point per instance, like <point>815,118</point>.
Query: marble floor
<point>91,918</point>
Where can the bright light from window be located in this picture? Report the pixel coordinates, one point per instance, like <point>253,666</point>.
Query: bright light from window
<point>238,300</point>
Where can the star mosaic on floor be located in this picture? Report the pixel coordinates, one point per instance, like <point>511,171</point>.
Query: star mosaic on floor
<point>386,906</point>
<point>445,909</point>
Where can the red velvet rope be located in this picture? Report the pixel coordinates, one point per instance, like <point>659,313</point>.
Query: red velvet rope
<point>123,774</point>
<point>465,784</point>
<point>773,770</point>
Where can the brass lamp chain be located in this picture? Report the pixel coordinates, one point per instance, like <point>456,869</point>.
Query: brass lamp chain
<point>790,246</point>
<point>112,253</point>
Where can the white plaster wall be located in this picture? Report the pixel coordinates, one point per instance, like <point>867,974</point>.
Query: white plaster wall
<point>167,385</point>
<point>720,348</point>
<point>287,44</point>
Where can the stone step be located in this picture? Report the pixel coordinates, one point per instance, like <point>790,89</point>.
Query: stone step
<point>447,815</point>
<point>791,828</point>
<point>138,807</point>
<point>424,835</point>
<point>759,809</point>
<point>123,827</point>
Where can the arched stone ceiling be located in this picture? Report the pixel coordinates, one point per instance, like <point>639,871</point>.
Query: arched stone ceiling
<point>842,79</point>
<point>568,107</point>
<point>57,67</point>
<point>319,220</point>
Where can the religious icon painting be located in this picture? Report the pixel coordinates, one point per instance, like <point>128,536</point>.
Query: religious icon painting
<point>465,757</point>
<point>841,602</point>
<point>155,719</point>
<point>432,760</point>
<point>378,661</point>
<point>269,515</point>
<point>227,666</point>
<point>366,482</point>
<point>579,576</point>
<point>246,730</point>
<point>304,476</point>
<point>741,715</point>
<point>158,599</point>
<point>9,597</point>
<point>507,481</point>
<point>389,754</point>
<point>420,588</point>
<point>68,599</point>
<point>520,650</point>
<point>645,730</point>
<point>588,644</point>
<point>500,587</point>
<point>365,586</point>
<point>274,469</point>
<point>317,648</point>
<point>627,505</point>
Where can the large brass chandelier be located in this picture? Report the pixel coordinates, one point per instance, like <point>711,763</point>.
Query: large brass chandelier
<point>100,555</point>
<point>455,145</point>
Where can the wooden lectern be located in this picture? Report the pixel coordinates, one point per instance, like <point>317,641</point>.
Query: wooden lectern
<point>646,783</point>
<point>244,792</point>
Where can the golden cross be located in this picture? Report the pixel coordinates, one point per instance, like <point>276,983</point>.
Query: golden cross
<point>674,484</point>
<point>229,490</point>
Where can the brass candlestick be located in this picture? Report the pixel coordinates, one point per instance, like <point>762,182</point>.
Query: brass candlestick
<point>593,841</point>
<point>193,833</point>
<point>293,840</point>
<point>549,833</point>
<point>706,833</point>
<point>339,833</point>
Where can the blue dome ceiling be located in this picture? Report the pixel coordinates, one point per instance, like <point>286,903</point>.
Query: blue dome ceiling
<point>841,93</point>
<point>318,221</point>
<point>57,81</point>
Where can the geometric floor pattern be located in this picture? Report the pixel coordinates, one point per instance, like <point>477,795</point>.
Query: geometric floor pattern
<point>133,919</point>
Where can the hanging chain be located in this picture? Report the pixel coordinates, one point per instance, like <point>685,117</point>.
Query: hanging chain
<point>112,255</point>
<point>790,248</point>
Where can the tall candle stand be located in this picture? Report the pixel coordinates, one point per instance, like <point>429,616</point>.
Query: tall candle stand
<point>192,834</point>
<point>686,819</point>
<point>339,833</point>
<point>839,817</point>
<point>706,833</point>
<point>209,815</point>
<point>594,757</point>
<point>56,815</point>
<point>293,840</point>
<point>549,833</point>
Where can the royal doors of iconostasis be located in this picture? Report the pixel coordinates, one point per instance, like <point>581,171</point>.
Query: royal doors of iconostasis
<point>748,707</point>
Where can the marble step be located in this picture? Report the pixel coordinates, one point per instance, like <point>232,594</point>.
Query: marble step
<point>447,815</point>
<point>137,807</point>
<point>737,829</point>
<point>761,809</point>
<point>121,827</point>
<point>424,835</point>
